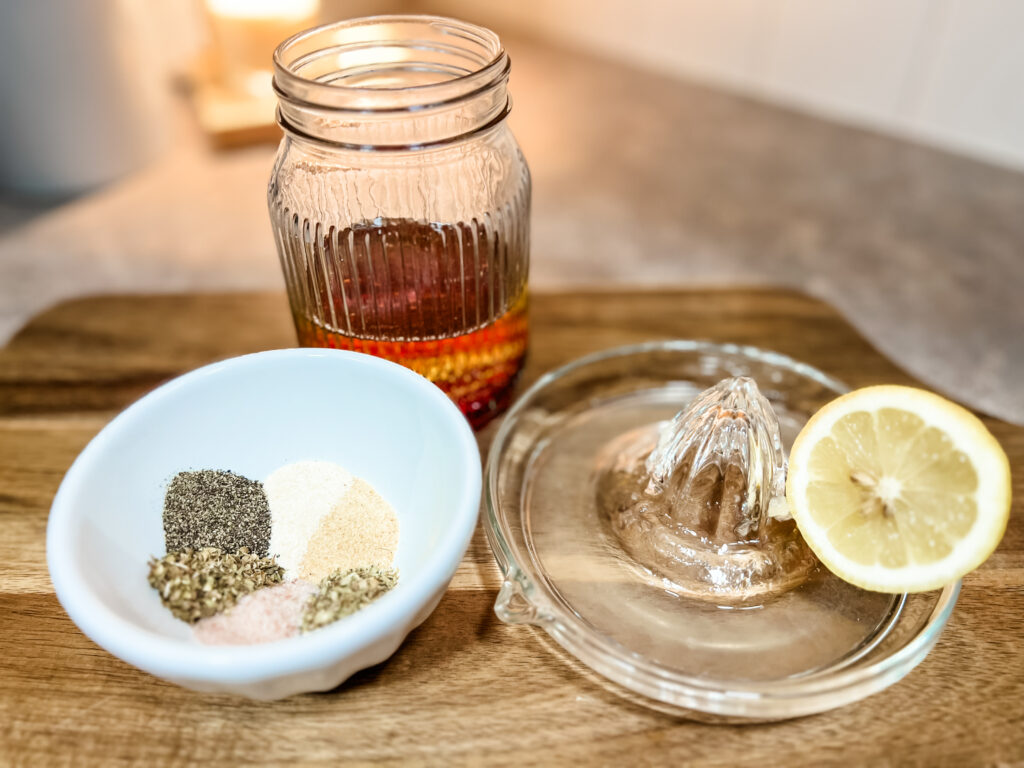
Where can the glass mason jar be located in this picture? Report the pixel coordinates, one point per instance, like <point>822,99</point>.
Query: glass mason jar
<point>400,200</point>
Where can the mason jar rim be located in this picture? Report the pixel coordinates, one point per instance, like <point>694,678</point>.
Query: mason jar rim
<point>303,48</point>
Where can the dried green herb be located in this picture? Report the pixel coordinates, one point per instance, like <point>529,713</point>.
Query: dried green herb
<point>195,584</point>
<point>345,592</point>
<point>210,508</point>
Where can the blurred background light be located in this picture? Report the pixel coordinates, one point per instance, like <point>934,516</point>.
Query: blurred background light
<point>232,89</point>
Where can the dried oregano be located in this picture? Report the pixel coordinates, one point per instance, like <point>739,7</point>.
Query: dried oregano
<point>195,584</point>
<point>345,592</point>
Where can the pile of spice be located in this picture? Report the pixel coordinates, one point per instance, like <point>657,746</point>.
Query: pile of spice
<point>195,584</point>
<point>345,592</point>
<point>260,617</point>
<point>324,519</point>
<point>303,494</point>
<point>252,562</point>
<point>216,509</point>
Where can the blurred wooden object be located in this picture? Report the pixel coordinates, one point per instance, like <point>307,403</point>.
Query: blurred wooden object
<point>233,119</point>
<point>231,88</point>
<point>464,688</point>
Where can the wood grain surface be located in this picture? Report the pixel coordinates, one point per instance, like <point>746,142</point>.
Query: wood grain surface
<point>464,689</point>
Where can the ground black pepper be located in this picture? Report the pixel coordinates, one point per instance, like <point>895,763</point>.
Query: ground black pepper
<point>210,508</point>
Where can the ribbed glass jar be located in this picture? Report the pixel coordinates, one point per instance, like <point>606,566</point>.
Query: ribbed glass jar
<point>400,200</point>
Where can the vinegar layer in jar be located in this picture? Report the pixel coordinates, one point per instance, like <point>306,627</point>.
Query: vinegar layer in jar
<point>447,300</point>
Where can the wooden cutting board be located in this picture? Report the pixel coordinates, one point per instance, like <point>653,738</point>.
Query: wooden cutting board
<point>464,688</point>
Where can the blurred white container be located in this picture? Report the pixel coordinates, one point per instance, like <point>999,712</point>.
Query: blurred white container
<point>84,94</point>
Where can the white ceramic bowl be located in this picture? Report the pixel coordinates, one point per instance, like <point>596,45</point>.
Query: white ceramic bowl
<point>250,415</point>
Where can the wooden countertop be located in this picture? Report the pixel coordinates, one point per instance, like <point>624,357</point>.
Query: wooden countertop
<point>464,688</point>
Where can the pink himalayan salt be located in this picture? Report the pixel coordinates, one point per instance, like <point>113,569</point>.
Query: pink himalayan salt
<point>272,613</point>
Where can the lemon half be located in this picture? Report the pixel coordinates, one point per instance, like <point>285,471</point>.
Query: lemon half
<point>897,489</point>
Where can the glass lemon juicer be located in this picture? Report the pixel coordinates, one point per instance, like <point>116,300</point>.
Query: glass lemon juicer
<point>635,505</point>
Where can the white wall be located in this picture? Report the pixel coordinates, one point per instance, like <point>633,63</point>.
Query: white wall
<point>946,72</point>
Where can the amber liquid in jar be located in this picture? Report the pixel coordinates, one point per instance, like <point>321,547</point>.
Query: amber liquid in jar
<point>446,300</point>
